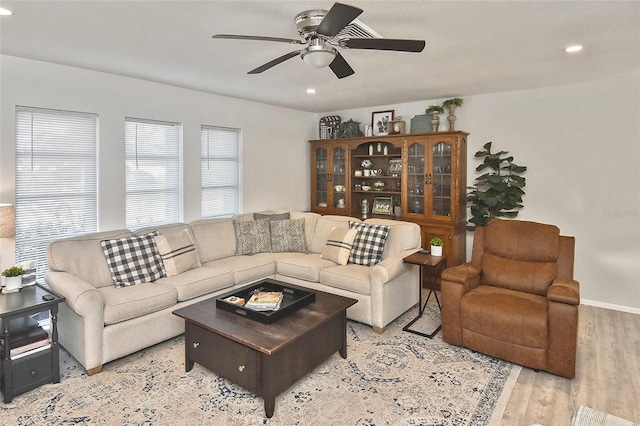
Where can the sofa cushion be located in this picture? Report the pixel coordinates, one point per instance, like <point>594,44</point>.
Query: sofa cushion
<point>339,245</point>
<point>368,244</point>
<point>247,269</point>
<point>273,216</point>
<point>288,235</point>
<point>121,304</point>
<point>304,267</point>
<point>178,252</point>
<point>133,260</point>
<point>252,236</point>
<point>83,256</point>
<point>505,315</point>
<point>350,277</point>
<point>199,281</point>
<point>215,238</point>
<point>402,236</point>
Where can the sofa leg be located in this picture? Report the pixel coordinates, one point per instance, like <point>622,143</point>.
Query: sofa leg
<point>379,330</point>
<point>95,370</point>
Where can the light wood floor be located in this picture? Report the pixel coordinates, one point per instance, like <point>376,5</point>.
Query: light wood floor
<point>607,375</point>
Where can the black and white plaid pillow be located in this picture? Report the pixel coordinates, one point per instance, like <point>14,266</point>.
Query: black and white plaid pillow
<point>369,243</point>
<point>133,260</point>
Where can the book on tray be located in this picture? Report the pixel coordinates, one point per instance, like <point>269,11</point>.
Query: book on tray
<point>265,300</point>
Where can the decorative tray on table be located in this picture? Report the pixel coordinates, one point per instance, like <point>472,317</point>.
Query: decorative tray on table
<point>292,299</point>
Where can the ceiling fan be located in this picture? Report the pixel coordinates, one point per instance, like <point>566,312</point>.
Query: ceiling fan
<point>319,29</point>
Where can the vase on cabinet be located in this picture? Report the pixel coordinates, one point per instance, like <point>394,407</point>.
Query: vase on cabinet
<point>452,118</point>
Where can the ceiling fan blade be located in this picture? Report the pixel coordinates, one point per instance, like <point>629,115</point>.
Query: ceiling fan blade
<point>384,44</point>
<point>338,17</point>
<point>340,67</point>
<point>275,62</point>
<point>259,38</point>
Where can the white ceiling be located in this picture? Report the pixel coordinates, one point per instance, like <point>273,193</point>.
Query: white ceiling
<point>473,47</point>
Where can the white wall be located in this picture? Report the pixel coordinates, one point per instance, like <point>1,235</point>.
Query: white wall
<point>275,151</point>
<point>581,144</point>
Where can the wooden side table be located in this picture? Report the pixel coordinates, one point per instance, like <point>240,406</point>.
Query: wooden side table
<point>438,264</point>
<point>28,372</point>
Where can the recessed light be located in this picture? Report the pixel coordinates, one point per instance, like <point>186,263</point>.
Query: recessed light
<point>311,91</point>
<point>573,49</point>
<point>4,12</point>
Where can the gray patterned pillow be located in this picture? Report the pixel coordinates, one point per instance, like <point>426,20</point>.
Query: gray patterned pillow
<point>288,235</point>
<point>252,236</point>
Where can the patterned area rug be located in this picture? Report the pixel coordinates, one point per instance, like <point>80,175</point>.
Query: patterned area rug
<point>396,378</point>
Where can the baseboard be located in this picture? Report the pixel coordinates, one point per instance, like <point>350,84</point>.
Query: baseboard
<point>610,306</point>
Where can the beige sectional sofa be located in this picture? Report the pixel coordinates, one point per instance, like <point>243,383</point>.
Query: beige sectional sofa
<point>100,322</point>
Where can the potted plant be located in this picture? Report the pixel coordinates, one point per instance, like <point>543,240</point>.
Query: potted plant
<point>436,246</point>
<point>13,277</point>
<point>451,105</point>
<point>435,111</point>
<point>497,193</point>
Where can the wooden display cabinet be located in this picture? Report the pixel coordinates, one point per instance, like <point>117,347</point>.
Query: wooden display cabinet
<point>329,179</point>
<point>428,174</point>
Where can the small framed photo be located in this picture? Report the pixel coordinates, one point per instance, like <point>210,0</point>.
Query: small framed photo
<point>382,205</point>
<point>380,122</point>
<point>395,167</point>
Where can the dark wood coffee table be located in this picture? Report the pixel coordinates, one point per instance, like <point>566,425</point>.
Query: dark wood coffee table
<point>265,359</point>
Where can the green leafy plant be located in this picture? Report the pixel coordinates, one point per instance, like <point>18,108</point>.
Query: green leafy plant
<point>437,241</point>
<point>455,101</point>
<point>350,129</point>
<point>497,193</point>
<point>14,271</point>
<point>434,108</point>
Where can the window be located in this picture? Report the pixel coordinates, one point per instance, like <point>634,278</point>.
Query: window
<point>56,179</point>
<point>220,149</point>
<point>154,173</point>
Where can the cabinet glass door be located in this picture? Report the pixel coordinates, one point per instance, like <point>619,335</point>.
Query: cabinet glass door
<point>338,179</point>
<point>415,179</point>
<point>322,177</point>
<point>442,179</point>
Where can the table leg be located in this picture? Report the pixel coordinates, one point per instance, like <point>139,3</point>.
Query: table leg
<point>269,406</point>
<point>421,307</point>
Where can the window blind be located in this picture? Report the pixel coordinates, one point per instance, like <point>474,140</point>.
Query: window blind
<point>56,179</point>
<point>220,170</point>
<point>153,172</point>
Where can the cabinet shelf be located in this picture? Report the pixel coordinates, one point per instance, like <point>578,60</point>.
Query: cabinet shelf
<point>377,192</point>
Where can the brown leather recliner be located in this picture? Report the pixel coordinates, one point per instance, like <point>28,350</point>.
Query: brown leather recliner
<point>516,299</point>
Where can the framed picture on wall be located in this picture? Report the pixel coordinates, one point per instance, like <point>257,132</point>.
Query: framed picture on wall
<point>380,122</point>
<point>381,205</point>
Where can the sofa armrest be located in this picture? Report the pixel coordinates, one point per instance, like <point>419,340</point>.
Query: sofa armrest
<point>390,268</point>
<point>466,274</point>
<point>455,283</point>
<point>564,290</point>
<point>81,296</point>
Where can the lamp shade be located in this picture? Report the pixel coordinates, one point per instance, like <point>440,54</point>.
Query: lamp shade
<point>7,220</point>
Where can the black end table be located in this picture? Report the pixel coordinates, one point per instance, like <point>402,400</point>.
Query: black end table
<point>437,264</point>
<point>34,368</point>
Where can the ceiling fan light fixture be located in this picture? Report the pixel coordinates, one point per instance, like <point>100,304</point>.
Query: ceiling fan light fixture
<point>318,54</point>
